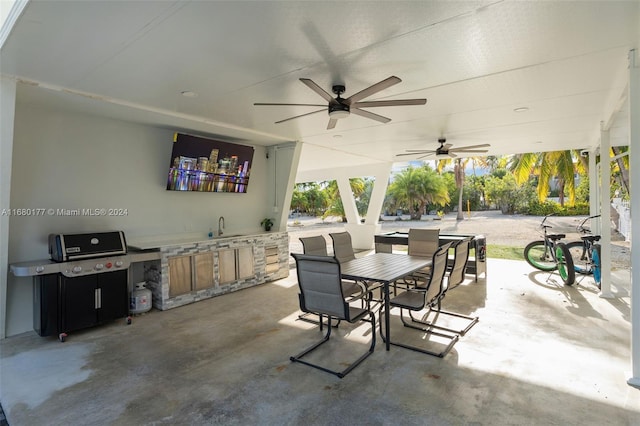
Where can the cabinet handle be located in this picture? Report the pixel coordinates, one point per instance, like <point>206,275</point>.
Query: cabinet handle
<point>98,298</point>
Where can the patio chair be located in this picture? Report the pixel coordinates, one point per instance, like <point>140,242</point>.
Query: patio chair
<point>342,246</point>
<point>317,246</point>
<point>455,278</point>
<point>421,298</point>
<point>424,243</point>
<point>343,251</point>
<point>321,293</point>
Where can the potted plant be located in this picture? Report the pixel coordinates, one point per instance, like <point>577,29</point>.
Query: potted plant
<point>267,223</point>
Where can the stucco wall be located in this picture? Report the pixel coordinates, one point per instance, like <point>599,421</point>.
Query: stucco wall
<point>67,160</point>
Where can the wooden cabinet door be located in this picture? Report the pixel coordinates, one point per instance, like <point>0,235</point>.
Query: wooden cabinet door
<point>203,274</point>
<point>245,263</point>
<point>227,266</point>
<point>179,275</point>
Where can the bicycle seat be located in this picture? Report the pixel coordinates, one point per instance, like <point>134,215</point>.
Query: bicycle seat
<point>592,238</point>
<point>556,237</point>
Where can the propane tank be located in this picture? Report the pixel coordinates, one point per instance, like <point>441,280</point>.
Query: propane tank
<point>140,300</point>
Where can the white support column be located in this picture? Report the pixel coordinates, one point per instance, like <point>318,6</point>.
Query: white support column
<point>377,195</point>
<point>605,212</point>
<point>634,170</point>
<point>288,157</point>
<point>348,200</point>
<point>361,233</point>
<point>594,192</point>
<point>7,115</point>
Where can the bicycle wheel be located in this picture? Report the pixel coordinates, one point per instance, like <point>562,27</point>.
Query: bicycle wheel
<point>540,256</point>
<point>580,257</point>
<point>595,258</point>
<point>565,264</point>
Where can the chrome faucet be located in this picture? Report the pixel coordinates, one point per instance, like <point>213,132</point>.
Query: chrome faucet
<point>220,225</point>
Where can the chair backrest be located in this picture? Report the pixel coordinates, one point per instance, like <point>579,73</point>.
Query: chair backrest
<point>460,258</point>
<point>314,245</point>
<point>438,269</point>
<point>320,285</point>
<point>423,242</point>
<point>342,247</point>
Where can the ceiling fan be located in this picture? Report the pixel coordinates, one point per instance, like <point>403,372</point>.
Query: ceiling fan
<point>445,150</point>
<point>339,107</point>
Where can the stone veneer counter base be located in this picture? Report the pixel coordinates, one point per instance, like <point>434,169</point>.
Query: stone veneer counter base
<point>269,251</point>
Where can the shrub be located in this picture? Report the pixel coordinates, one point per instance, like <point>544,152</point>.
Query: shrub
<point>579,209</point>
<point>537,208</point>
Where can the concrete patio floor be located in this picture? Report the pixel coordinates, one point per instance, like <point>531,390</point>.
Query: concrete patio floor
<point>542,353</point>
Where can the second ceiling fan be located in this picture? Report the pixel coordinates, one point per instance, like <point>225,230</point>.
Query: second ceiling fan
<point>339,107</point>
<point>445,149</point>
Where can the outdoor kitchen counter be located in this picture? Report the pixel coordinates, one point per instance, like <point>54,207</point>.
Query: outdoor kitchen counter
<point>158,242</point>
<point>191,267</point>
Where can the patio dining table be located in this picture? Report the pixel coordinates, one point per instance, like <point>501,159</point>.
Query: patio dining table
<point>384,268</point>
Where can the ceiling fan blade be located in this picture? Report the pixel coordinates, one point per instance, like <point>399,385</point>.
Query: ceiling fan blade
<point>301,115</point>
<point>274,104</point>
<point>451,154</point>
<point>428,155</point>
<point>446,146</point>
<point>388,82</point>
<point>367,114</point>
<point>419,150</point>
<point>415,153</point>
<point>399,102</point>
<point>319,90</point>
<point>332,123</point>
<point>484,145</point>
<point>469,150</point>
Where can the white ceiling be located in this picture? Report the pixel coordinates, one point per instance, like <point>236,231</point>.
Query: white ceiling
<point>474,61</point>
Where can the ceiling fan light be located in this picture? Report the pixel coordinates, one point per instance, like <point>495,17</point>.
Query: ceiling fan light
<point>338,114</point>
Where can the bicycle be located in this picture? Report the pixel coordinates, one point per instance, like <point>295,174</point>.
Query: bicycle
<point>586,253</point>
<point>550,254</point>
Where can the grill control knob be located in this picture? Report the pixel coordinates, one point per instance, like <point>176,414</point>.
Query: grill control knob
<point>39,269</point>
<point>77,269</point>
<point>119,263</point>
<point>108,265</point>
<point>99,266</point>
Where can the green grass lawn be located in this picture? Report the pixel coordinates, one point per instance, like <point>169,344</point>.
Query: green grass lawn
<point>496,251</point>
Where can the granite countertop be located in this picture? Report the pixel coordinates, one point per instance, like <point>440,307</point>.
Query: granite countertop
<point>157,242</point>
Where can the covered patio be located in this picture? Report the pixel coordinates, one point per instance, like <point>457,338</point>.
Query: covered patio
<point>118,78</point>
<point>542,353</point>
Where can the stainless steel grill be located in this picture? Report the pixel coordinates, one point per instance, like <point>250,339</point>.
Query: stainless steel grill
<point>84,284</point>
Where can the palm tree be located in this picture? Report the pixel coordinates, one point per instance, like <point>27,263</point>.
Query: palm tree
<point>309,197</point>
<point>458,172</point>
<point>622,166</point>
<point>298,199</point>
<point>417,187</point>
<point>335,202</point>
<point>546,165</point>
<point>491,162</point>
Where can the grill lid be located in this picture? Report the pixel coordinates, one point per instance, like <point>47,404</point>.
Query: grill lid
<point>65,247</point>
